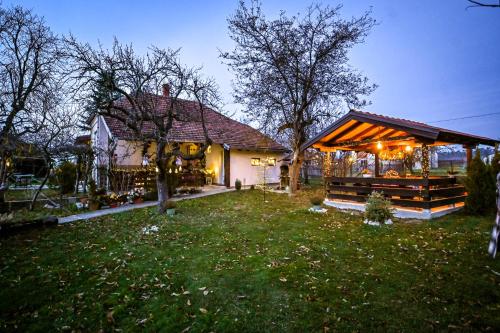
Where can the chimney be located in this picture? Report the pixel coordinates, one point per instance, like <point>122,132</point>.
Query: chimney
<point>166,90</point>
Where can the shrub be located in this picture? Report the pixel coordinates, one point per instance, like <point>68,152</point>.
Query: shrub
<point>252,187</point>
<point>65,177</point>
<point>91,187</point>
<point>194,190</point>
<point>151,196</point>
<point>237,184</point>
<point>495,167</point>
<point>378,208</point>
<point>316,201</point>
<point>480,187</point>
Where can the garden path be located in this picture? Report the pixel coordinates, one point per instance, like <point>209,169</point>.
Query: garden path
<point>208,190</point>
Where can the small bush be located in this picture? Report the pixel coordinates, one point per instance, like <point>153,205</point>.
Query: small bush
<point>92,187</point>
<point>378,208</point>
<point>316,201</point>
<point>151,196</point>
<point>65,177</point>
<point>480,187</point>
<point>252,187</point>
<point>237,184</point>
<point>194,190</point>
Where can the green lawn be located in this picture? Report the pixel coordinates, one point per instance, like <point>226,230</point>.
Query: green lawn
<point>231,262</point>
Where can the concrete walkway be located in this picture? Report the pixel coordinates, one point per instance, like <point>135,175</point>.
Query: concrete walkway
<point>98,213</point>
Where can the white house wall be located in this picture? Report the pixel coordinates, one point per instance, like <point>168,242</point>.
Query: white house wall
<point>129,152</point>
<point>242,169</point>
<point>99,138</point>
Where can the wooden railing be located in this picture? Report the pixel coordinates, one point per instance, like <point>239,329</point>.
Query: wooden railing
<point>406,192</point>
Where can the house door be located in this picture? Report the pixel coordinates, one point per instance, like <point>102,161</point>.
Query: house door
<point>227,166</point>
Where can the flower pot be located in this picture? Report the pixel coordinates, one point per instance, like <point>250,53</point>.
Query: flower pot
<point>138,200</point>
<point>171,211</point>
<point>94,205</point>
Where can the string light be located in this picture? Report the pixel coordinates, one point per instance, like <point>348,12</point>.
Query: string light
<point>425,161</point>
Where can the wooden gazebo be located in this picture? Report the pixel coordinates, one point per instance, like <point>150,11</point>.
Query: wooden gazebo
<point>422,196</point>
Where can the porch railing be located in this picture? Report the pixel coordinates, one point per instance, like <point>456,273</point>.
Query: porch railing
<point>405,192</point>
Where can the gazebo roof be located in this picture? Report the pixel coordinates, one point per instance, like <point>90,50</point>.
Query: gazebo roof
<point>358,130</point>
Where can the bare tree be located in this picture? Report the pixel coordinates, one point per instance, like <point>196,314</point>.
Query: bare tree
<point>55,135</point>
<point>29,60</point>
<point>293,72</point>
<point>490,4</point>
<point>128,87</point>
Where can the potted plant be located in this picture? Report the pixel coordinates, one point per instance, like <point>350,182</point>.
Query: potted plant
<point>113,200</point>
<point>169,207</point>
<point>366,173</point>
<point>237,184</point>
<point>134,196</point>
<point>316,202</point>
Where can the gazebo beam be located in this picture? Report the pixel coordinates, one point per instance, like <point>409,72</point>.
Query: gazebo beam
<point>350,128</point>
<point>364,132</point>
<point>367,141</point>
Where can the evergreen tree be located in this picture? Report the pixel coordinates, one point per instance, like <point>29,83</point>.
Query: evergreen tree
<point>480,187</point>
<point>495,166</point>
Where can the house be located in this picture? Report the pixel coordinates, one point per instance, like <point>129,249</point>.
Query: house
<point>238,151</point>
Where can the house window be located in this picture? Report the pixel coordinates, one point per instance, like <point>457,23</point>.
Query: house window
<point>255,161</point>
<point>192,149</point>
<point>271,161</point>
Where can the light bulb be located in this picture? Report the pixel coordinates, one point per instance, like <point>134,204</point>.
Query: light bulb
<point>408,148</point>
<point>379,145</point>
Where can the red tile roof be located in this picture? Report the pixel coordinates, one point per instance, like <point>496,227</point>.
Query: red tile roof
<point>414,128</point>
<point>221,129</point>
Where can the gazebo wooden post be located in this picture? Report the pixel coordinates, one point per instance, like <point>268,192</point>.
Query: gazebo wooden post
<point>468,152</point>
<point>377,165</point>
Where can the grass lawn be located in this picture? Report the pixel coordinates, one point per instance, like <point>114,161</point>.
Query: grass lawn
<point>231,262</point>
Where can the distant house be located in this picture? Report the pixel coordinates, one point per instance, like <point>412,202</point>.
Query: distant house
<point>238,150</point>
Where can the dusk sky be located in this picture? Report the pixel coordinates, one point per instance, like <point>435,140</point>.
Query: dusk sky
<point>433,60</point>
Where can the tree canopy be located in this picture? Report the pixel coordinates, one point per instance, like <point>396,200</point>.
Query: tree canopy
<point>292,73</point>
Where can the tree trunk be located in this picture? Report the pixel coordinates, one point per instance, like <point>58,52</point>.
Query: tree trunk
<point>162,187</point>
<point>3,185</point>
<point>306,172</point>
<point>88,170</point>
<point>77,179</point>
<point>297,160</point>
<point>35,197</point>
